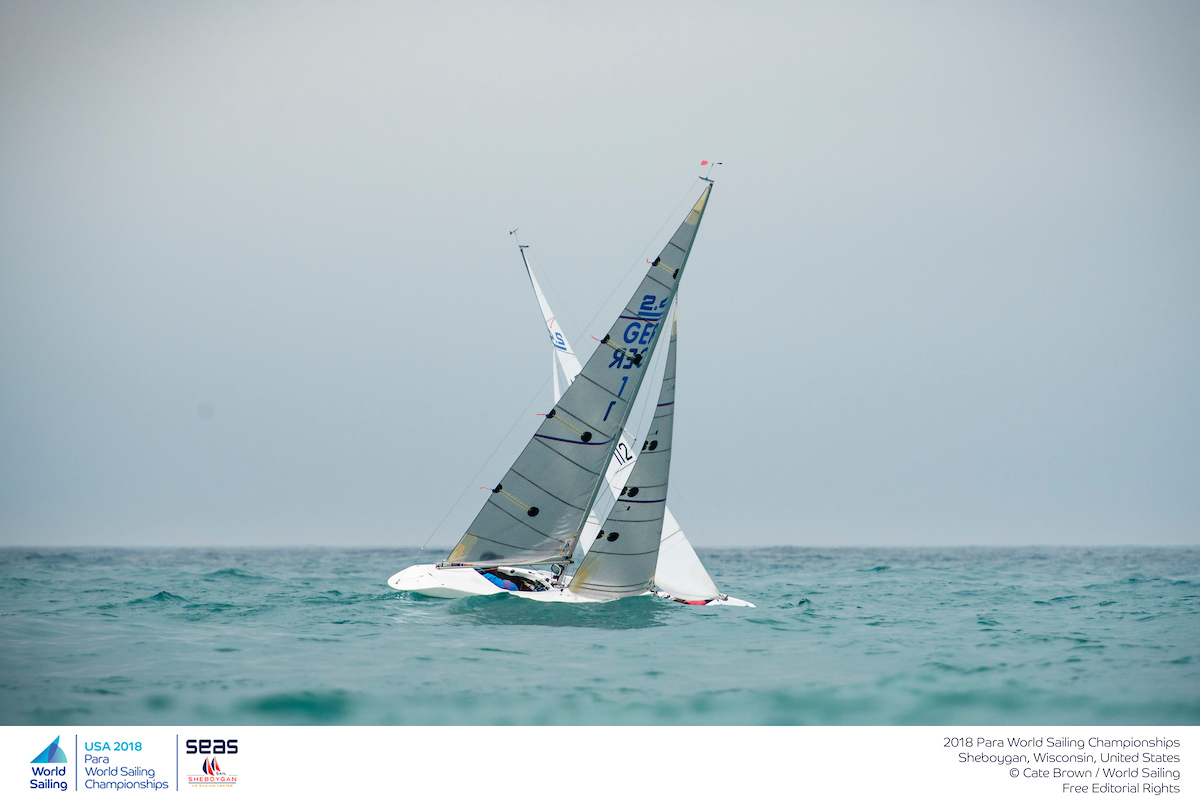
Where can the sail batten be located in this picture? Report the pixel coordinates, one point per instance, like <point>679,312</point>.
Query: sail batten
<point>560,481</point>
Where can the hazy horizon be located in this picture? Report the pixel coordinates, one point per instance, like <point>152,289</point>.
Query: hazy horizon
<point>257,287</point>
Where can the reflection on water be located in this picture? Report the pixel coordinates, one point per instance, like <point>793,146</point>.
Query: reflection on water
<point>507,610</point>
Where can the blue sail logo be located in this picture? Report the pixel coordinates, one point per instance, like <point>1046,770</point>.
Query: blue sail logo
<point>52,754</point>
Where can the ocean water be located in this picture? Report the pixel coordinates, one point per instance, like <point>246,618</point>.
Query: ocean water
<point>840,636</point>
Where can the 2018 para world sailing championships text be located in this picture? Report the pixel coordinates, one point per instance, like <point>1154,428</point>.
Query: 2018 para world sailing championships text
<point>1057,742</point>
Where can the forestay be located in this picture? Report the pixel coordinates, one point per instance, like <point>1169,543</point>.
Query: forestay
<point>622,559</point>
<point>536,512</point>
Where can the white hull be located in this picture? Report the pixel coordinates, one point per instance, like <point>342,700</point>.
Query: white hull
<point>466,582</point>
<point>724,600</point>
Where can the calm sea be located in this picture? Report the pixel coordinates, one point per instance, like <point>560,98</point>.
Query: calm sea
<point>840,636</point>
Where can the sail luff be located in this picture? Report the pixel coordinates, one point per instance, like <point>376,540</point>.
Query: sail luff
<point>537,511</point>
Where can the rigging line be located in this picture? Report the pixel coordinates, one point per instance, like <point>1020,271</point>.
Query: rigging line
<point>453,506</point>
<point>639,256</point>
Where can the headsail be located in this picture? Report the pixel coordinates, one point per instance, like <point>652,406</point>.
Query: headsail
<point>680,572</point>
<point>537,511</point>
<point>622,560</point>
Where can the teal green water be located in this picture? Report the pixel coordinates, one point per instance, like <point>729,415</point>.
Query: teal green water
<point>840,636</point>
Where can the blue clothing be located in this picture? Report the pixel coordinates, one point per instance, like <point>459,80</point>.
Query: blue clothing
<point>503,584</point>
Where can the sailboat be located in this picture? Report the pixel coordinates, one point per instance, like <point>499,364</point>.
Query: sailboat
<point>546,510</point>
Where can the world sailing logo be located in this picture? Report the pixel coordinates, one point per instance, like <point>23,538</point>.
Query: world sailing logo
<point>42,777</point>
<point>211,775</point>
<point>52,754</point>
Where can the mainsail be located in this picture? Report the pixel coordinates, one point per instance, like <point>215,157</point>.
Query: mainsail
<point>537,511</point>
<point>622,560</point>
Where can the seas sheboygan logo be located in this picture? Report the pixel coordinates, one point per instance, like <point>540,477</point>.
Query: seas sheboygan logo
<point>210,774</point>
<point>47,778</point>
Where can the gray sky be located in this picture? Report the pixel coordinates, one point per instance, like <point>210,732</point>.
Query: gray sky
<point>947,290</point>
